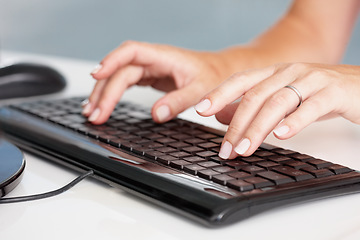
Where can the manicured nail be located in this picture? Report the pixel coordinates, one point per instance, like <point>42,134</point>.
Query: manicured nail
<point>163,113</point>
<point>203,105</point>
<point>84,103</point>
<point>97,69</point>
<point>94,115</point>
<point>243,146</point>
<point>86,109</point>
<point>225,150</point>
<point>279,131</point>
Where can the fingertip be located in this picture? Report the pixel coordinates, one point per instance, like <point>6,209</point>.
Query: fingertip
<point>87,109</point>
<point>162,113</point>
<point>203,106</point>
<point>96,69</point>
<point>243,146</point>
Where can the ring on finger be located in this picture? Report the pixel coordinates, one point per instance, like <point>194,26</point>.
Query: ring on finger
<point>297,93</point>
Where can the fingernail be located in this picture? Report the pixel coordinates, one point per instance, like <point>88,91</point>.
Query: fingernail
<point>86,109</point>
<point>97,69</point>
<point>225,150</point>
<point>203,105</point>
<point>94,115</point>
<point>279,131</point>
<point>243,146</point>
<point>163,113</point>
<point>84,103</point>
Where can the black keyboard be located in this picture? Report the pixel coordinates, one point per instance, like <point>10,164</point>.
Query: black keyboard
<point>174,164</point>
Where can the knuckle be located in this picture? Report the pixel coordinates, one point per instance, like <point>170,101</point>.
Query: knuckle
<point>238,76</point>
<point>255,130</point>
<point>250,97</point>
<point>234,131</point>
<point>277,100</point>
<point>297,67</point>
<point>128,43</point>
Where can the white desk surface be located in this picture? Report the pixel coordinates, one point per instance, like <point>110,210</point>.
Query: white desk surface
<point>93,210</point>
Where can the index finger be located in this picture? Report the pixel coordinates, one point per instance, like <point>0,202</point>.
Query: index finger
<point>130,52</point>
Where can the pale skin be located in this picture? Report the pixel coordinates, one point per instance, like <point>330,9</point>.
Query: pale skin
<point>319,35</point>
<point>327,91</point>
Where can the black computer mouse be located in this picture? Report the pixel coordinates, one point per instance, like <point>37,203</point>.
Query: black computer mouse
<point>28,79</point>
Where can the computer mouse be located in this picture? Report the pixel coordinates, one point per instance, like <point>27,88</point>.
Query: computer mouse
<point>28,79</point>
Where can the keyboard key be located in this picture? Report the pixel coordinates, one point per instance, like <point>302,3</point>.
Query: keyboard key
<point>166,140</point>
<point>180,154</point>
<point>206,154</point>
<point>223,169</point>
<point>297,164</point>
<point>179,145</point>
<point>279,159</point>
<point>252,159</point>
<point>301,157</point>
<point>194,159</point>
<point>193,149</point>
<point>209,164</point>
<point>252,169</point>
<point>179,164</point>
<point>298,175</point>
<point>319,163</point>
<point>284,151</point>
<point>239,175</point>
<point>240,185</point>
<point>207,136</point>
<point>194,140</point>
<point>319,172</point>
<point>208,145</point>
<point>276,177</point>
<point>338,169</point>
<point>207,173</point>
<point>259,182</point>
<point>263,153</point>
<point>193,168</point>
<point>154,154</point>
<point>237,164</point>
<point>166,149</point>
<point>221,178</point>
<point>166,159</point>
<point>267,164</point>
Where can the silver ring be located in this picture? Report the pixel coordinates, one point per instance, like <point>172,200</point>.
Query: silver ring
<point>297,93</point>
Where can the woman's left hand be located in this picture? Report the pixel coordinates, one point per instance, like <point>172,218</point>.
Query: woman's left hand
<point>264,104</point>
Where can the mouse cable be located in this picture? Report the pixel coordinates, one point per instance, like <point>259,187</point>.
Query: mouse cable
<point>47,194</point>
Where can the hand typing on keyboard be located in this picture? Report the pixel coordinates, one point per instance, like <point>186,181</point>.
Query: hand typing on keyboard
<point>325,91</point>
<point>186,75</point>
<point>300,36</point>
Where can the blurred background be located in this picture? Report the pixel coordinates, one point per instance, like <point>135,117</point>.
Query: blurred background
<point>88,29</point>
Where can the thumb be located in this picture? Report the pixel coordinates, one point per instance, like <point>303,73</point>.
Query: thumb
<point>177,101</point>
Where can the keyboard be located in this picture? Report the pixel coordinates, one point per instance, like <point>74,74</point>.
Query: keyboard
<point>175,164</point>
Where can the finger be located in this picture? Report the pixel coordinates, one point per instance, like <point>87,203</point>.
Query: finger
<point>130,52</point>
<point>231,89</point>
<point>94,97</point>
<point>247,110</point>
<point>251,104</point>
<point>112,92</point>
<point>177,101</point>
<point>280,105</point>
<point>274,109</point>
<point>313,109</point>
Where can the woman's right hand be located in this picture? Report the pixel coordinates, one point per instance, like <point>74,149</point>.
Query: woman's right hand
<point>185,75</point>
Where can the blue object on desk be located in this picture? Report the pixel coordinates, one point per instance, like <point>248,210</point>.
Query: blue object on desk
<point>12,165</point>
